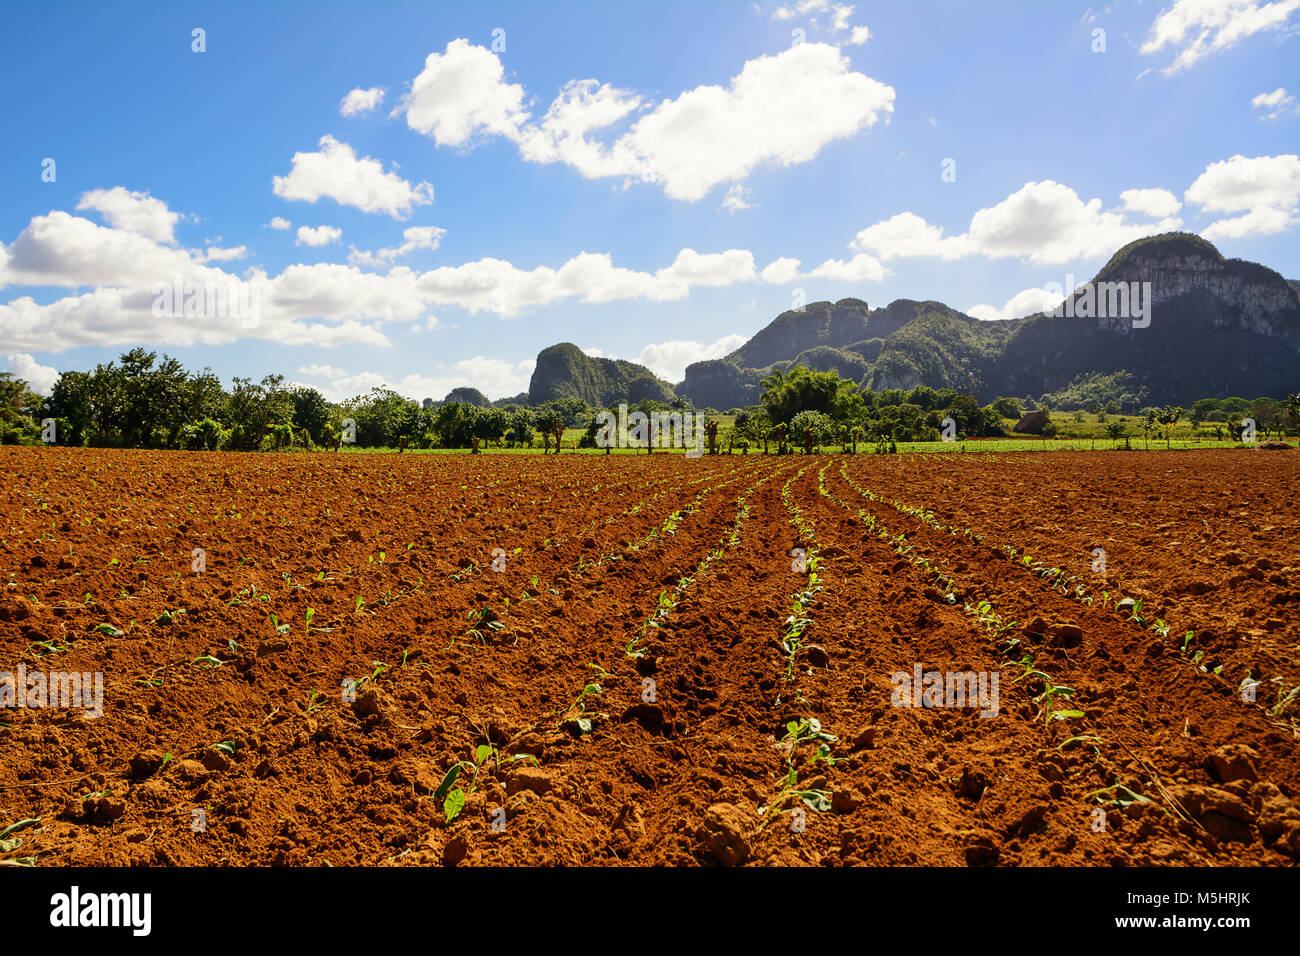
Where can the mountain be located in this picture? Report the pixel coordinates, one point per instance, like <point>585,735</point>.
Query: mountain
<point>1218,327</point>
<point>468,396</point>
<point>565,371</point>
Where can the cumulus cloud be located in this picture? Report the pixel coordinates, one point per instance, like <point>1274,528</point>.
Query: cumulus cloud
<point>1197,28</point>
<point>781,109</point>
<point>279,224</point>
<point>360,101</point>
<point>461,94</point>
<point>324,304</point>
<point>317,235</point>
<point>780,271</point>
<point>40,378</point>
<point>218,254</point>
<point>1043,222</point>
<point>321,371</point>
<point>416,237</point>
<point>1264,189</point>
<point>583,107</point>
<point>1026,302</point>
<point>496,378</point>
<point>1275,104</point>
<point>136,212</point>
<point>335,172</point>
<point>668,360</point>
<point>799,9</point>
<point>1155,203</point>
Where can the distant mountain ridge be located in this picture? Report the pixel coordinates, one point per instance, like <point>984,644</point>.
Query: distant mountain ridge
<point>1219,327</point>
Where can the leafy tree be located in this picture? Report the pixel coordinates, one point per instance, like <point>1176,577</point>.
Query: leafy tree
<point>520,431</point>
<point>819,424</point>
<point>310,411</point>
<point>18,406</point>
<point>787,393</point>
<point>1007,407</point>
<point>254,409</point>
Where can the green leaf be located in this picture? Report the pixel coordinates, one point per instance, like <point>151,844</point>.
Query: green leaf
<point>108,629</point>
<point>20,825</point>
<point>484,751</point>
<point>447,781</point>
<point>818,800</point>
<point>454,803</point>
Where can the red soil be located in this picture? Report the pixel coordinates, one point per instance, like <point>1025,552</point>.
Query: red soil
<point>684,742</point>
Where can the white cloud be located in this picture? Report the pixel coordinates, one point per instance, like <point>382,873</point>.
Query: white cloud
<point>780,271</point>
<point>322,304</point>
<point>1274,104</point>
<point>781,109</point>
<point>1265,188</point>
<point>360,101</point>
<point>906,235</point>
<point>859,36</point>
<point>460,94</point>
<point>1154,203</point>
<point>594,352</point>
<point>40,378</point>
<point>218,254</point>
<point>336,173</point>
<point>799,9</point>
<point>416,237</point>
<point>861,268</point>
<point>582,107</point>
<point>1043,222</point>
<point>668,360</point>
<point>317,235</point>
<point>737,198</point>
<point>1196,28</point>
<point>321,371</point>
<point>136,212</point>
<point>279,224</point>
<point>1026,302</point>
<point>496,378</point>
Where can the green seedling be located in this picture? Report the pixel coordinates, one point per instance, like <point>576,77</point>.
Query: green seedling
<point>9,842</point>
<point>796,733</point>
<point>453,798</point>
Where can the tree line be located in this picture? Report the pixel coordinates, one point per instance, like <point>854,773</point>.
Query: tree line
<point>142,401</point>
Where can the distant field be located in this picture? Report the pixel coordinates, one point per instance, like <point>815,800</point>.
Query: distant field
<point>972,446</point>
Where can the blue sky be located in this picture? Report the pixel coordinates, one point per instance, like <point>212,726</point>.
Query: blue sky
<point>652,181</point>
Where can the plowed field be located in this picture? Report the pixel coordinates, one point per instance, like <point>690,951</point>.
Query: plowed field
<point>652,660</point>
